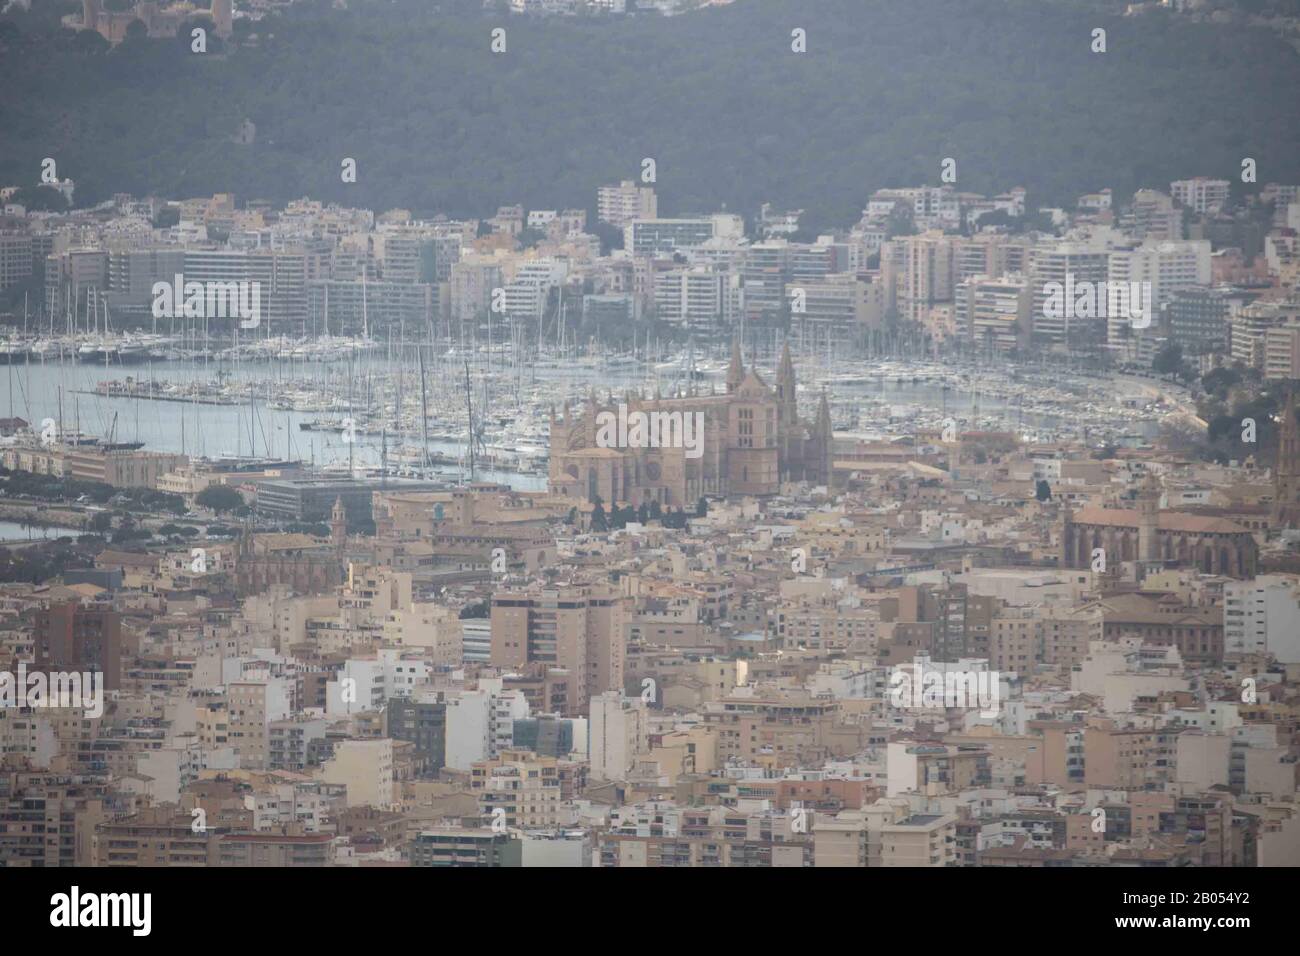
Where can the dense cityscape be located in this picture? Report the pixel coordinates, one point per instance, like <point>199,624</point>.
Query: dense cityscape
<point>964,532</point>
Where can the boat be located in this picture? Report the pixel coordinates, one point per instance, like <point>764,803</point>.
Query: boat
<point>14,352</point>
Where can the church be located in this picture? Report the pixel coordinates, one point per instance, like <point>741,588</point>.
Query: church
<point>1155,537</point>
<point>753,441</point>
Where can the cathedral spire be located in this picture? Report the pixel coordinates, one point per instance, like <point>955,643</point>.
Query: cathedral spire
<point>786,371</point>
<point>786,387</point>
<point>736,371</point>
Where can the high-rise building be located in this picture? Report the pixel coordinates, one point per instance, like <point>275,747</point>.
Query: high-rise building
<point>1281,347</point>
<point>1250,327</point>
<point>1201,195</point>
<point>1262,616</point>
<point>70,637</point>
<point>692,297</point>
<point>660,237</point>
<point>520,784</point>
<point>1163,267</point>
<point>578,627</point>
<point>1198,318</point>
<point>1053,265</point>
<point>994,314</point>
<point>422,722</point>
<point>619,205</point>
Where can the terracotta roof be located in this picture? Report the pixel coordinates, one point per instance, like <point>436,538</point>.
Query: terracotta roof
<point>1167,521</point>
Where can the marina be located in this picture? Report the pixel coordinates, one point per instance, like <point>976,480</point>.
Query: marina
<point>406,408</point>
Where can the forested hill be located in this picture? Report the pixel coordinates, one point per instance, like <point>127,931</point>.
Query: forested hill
<point>436,121</point>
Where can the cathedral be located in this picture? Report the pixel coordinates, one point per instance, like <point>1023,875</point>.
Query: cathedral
<point>304,564</point>
<point>1154,537</point>
<point>753,441</point>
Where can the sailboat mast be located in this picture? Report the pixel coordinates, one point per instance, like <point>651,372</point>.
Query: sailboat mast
<point>424,415</point>
<point>469,413</point>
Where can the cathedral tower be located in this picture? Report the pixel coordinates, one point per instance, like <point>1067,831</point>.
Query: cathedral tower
<point>1148,521</point>
<point>1286,469</point>
<point>339,525</point>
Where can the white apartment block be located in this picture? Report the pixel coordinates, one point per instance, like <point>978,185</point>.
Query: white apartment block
<point>1263,616</point>
<point>691,297</point>
<point>1167,265</point>
<point>469,729</point>
<point>527,293</point>
<point>1201,195</point>
<point>618,734</point>
<point>1052,264</point>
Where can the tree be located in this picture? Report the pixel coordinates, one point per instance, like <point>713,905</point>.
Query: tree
<point>167,217</point>
<point>89,41</point>
<point>1043,490</point>
<point>530,237</point>
<point>598,520</point>
<point>702,507</point>
<point>220,498</point>
<point>137,33</point>
<point>1169,360</point>
<point>479,609</point>
<point>41,198</point>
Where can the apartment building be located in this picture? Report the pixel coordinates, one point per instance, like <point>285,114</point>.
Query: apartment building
<point>1202,195</point>
<point>73,637</point>
<point>1050,266</point>
<point>1129,759</point>
<point>158,836</point>
<point>577,627</point>
<point>921,840</point>
<point>522,786</point>
<point>365,768</point>
<point>618,734</point>
<point>1262,616</point>
<point>993,315</point>
<point>648,236</point>
<point>461,846</point>
<point>1250,327</point>
<point>621,204</point>
<point>276,849</point>
<point>252,706</point>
